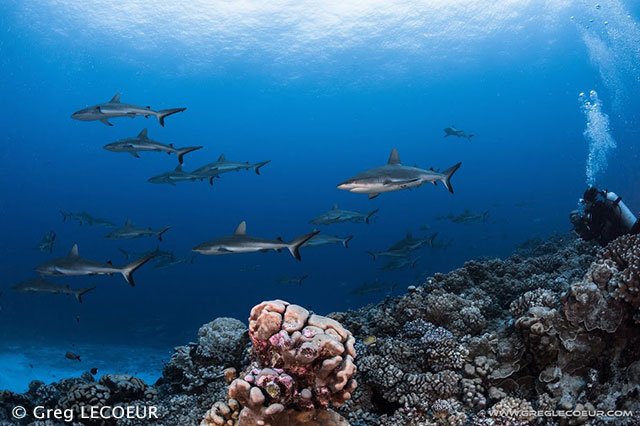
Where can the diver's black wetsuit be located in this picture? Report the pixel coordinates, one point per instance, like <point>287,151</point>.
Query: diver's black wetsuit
<point>601,220</point>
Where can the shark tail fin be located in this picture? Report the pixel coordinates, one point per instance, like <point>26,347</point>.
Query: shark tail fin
<point>446,179</point>
<point>372,255</point>
<point>126,254</point>
<point>470,136</point>
<point>302,278</point>
<point>81,293</point>
<point>162,231</point>
<point>432,239</point>
<point>345,242</point>
<point>182,151</point>
<point>167,112</point>
<point>294,246</point>
<point>257,166</point>
<point>128,270</point>
<point>485,214</point>
<point>371,213</point>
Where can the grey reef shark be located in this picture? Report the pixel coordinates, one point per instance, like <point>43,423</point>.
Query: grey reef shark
<point>240,242</point>
<point>114,108</point>
<point>394,176</point>
<point>74,265</point>
<point>142,142</point>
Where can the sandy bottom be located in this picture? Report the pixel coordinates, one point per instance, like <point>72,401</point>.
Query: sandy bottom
<point>20,364</point>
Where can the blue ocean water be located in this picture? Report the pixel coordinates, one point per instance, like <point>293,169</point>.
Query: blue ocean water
<point>324,92</point>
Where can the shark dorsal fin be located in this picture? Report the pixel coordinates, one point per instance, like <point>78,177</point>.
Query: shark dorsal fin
<point>394,158</point>
<point>74,251</point>
<point>241,229</point>
<point>143,134</point>
<point>335,207</point>
<point>127,223</point>
<point>178,169</point>
<point>115,99</point>
<point>221,158</point>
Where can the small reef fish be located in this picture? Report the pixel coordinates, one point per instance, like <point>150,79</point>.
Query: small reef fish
<point>393,176</point>
<point>336,215</point>
<point>375,286</point>
<point>40,285</point>
<point>72,356</point>
<point>211,170</point>
<point>369,340</point>
<point>94,371</point>
<point>85,218</point>
<point>142,142</point>
<point>46,243</point>
<point>129,231</point>
<point>174,176</point>
<point>292,280</point>
<point>321,240</point>
<point>74,265</point>
<point>452,131</point>
<point>114,108</point>
<point>240,242</point>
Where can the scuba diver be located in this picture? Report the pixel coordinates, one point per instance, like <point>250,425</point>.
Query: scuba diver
<point>604,217</point>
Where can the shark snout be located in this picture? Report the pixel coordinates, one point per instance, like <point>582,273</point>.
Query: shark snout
<point>347,185</point>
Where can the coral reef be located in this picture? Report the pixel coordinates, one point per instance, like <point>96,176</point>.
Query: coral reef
<point>303,363</point>
<point>553,327</point>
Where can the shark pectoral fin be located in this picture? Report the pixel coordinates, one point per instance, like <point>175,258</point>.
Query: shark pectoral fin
<point>278,250</point>
<point>264,250</point>
<point>135,154</point>
<point>372,196</point>
<point>105,121</point>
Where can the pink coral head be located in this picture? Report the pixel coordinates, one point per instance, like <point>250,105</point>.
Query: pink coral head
<point>282,340</point>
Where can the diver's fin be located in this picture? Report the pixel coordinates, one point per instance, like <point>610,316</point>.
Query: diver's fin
<point>446,179</point>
